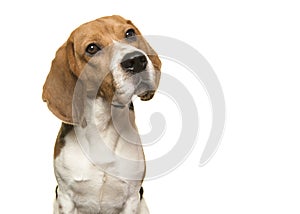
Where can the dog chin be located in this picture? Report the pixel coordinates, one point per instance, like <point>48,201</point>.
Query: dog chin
<point>147,95</point>
<point>145,91</point>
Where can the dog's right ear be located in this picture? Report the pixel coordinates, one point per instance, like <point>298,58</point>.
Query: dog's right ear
<point>59,88</point>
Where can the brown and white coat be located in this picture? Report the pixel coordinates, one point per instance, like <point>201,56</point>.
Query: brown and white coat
<point>98,157</point>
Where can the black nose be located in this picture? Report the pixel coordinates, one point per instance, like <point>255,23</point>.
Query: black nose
<point>134,62</point>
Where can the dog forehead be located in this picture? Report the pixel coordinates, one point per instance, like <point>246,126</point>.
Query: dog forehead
<point>113,19</point>
<point>105,28</point>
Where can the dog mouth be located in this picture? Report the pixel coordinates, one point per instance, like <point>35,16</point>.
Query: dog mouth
<point>147,95</point>
<point>144,90</point>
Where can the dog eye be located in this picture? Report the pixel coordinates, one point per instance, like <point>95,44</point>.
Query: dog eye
<point>130,34</point>
<point>92,49</point>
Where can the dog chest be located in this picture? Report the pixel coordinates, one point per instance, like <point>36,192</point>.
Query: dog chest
<point>89,187</point>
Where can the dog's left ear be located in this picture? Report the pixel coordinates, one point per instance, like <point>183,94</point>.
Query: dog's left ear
<point>64,93</point>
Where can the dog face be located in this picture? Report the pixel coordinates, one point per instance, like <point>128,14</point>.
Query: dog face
<point>107,57</point>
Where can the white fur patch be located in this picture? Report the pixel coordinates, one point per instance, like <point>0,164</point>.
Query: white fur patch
<point>128,85</point>
<point>102,187</point>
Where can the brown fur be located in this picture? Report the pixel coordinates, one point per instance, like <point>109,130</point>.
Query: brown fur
<point>66,88</point>
<point>60,141</point>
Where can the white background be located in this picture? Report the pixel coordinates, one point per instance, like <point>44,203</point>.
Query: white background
<point>254,48</point>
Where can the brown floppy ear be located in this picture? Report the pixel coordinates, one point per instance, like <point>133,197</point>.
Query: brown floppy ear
<point>59,88</point>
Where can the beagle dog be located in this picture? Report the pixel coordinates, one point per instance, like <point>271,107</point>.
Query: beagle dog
<point>99,161</point>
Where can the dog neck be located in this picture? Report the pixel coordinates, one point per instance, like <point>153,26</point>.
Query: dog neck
<point>111,141</point>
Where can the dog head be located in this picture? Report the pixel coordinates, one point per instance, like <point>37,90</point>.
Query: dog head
<point>107,57</point>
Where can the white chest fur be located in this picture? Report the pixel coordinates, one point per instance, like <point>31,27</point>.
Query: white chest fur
<point>97,170</point>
